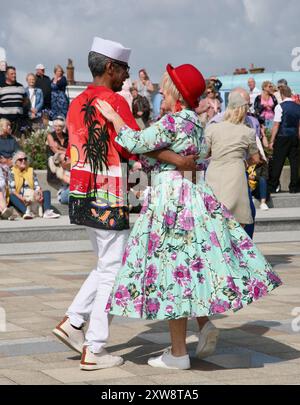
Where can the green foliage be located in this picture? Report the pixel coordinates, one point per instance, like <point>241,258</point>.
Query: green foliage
<point>35,146</point>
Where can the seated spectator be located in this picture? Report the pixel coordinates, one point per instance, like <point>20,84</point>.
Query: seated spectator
<point>8,146</point>
<point>140,108</point>
<point>258,181</point>
<point>35,98</point>
<point>25,191</point>
<point>57,141</point>
<point>59,100</point>
<point>209,106</point>
<point>5,213</point>
<point>60,165</point>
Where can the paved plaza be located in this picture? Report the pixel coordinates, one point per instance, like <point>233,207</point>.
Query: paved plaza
<point>258,345</point>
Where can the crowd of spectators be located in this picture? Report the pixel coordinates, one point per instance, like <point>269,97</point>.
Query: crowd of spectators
<point>273,111</point>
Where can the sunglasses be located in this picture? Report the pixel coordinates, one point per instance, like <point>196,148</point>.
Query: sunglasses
<point>22,159</point>
<point>122,64</point>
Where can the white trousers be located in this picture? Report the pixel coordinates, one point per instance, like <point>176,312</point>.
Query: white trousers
<point>90,302</point>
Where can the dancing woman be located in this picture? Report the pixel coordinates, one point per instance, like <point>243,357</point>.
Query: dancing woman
<point>187,256</point>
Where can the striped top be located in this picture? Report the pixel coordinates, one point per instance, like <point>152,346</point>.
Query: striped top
<point>11,100</point>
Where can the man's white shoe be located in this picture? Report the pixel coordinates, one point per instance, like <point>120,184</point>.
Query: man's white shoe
<point>207,343</point>
<point>50,214</point>
<point>167,360</point>
<point>263,206</point>
<point>73,338</point>
<point>96,361</point>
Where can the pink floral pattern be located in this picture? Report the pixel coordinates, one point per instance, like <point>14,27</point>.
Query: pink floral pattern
<point>186,255</point>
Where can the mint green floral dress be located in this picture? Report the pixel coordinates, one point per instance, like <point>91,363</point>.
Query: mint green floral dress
<point>186,256</point>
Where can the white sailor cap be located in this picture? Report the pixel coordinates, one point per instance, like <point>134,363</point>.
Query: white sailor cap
<point>111,49</point>
<point>40,66</point>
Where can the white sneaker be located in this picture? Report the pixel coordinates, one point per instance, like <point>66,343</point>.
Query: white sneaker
<point>28,214</point>
<point>207,343</point>
<point>73,338</point>
<point>167,360</point>
<point>96,361</point>
<point>263,206</point>
<point>49,214</point>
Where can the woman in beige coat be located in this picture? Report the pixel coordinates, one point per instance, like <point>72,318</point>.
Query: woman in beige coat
<point>230,144</point>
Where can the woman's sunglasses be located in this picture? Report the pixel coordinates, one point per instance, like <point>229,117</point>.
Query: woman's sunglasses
<point>22,159</point>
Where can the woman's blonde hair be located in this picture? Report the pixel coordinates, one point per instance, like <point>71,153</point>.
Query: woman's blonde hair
<point>3,121</point>
<point>266,83</point>
<point>167,85</point>
<point>56,67</point>
<point>236,115</point>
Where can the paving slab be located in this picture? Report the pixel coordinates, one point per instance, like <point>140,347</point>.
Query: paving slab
<point>256,345</point>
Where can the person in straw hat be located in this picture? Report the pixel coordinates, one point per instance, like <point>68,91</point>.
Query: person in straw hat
<point>187,256</point>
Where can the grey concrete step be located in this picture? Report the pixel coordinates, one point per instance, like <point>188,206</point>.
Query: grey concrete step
<point>284,200</point>
<point>278,219</point>
<point>65,246</point>
<point>47,230</point>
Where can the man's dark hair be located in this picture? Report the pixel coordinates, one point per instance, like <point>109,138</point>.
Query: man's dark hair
<point>285,91</point>
<point>97,63</point>
<point>282,82</point>
<point>10,67</point>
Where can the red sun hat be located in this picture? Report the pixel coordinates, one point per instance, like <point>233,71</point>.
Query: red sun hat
<point>189,82</point>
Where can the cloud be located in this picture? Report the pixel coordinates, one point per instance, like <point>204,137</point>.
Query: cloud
<point>216,36</point>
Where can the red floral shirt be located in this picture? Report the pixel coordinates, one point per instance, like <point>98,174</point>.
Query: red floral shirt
<point>98,186</point>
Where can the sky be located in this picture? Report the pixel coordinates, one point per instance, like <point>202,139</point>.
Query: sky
<point>215,35</point>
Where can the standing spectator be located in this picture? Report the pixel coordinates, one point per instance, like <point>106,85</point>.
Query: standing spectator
<point>285,141</point>
<point>23,179</point>
<point>265,104</point>
<point>43,82</point>
<point>280,83</point>
<point>253,92</point>
<point>3,66</point>
<point>229,142</point>
<point>140,108</point>
<point>157,102</point>
<point>35,97</point>
<point>217,84</point>
<point>59,100</point>
<point>144,86</point>
<point>126,92</point>
<point>57,141</point>
<point>209,106</point>
<point>12,100</point>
